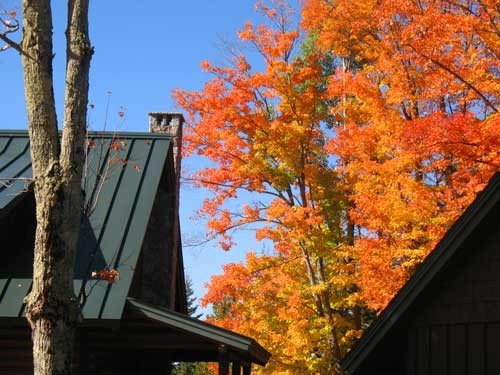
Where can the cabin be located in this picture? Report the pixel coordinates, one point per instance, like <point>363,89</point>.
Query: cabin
<point>446,319</point>
<point>138,323</point>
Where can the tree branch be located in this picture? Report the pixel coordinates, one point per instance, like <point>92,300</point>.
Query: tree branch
<point>9,43</point>
<point>11,26</point>
<point>457,76</point>
<point>278,264</point>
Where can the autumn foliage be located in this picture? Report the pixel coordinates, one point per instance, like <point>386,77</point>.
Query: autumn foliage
<point>369,128</point>
<point>417,98</point>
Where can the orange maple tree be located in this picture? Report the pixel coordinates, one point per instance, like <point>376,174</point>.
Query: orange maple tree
<point>264,131</point>
<point>353,155</point>
<point>417,110</point>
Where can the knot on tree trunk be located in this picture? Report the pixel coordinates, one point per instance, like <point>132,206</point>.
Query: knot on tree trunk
<point>51,174</point>
<point>52,308</point>
<point>49,185</point>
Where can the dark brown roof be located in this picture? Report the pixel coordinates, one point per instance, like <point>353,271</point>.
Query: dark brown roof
<point>433,265</point>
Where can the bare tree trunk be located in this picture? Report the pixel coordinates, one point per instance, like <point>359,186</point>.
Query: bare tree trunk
<point>52,309</point>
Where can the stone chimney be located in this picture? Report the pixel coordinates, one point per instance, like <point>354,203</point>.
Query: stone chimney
<point>171,124</point>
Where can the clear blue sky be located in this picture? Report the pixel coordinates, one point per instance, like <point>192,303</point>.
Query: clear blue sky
<point>143,50</point>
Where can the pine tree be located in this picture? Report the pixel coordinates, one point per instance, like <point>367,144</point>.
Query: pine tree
<point>191,368</point>
<point>192,306</point>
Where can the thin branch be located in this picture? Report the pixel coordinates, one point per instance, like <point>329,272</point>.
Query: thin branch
<point>11,26</point>
<point>16,179</point>
<point>276,264</point>
<point>10,43</point>
<point>457,76</point>
<point>214,235</point>
<point>6,183</point>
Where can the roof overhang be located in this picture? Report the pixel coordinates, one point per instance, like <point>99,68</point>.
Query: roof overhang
<point>208,338</point>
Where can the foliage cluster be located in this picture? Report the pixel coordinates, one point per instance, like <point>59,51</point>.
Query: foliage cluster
<point>369,129</point>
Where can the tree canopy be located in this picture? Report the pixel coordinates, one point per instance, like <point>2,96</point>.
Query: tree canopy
<point>367,131</point>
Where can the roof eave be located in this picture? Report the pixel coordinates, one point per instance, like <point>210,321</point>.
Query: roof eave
<point>183,322</point>
<point>441,254</point>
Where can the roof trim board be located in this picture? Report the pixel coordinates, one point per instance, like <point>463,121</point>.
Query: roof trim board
<point>428,270</point>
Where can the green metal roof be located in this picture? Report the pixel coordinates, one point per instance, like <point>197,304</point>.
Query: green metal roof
<point>245,346</point>
<point>122,176</point>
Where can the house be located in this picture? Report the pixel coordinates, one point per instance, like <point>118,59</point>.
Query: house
<point>137,324</point>
<point>446,319</point>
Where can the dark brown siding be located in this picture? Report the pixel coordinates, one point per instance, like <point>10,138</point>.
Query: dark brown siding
<point>15,351</point>
<point>455,329</point>
<point>470,290</point>
<point>97,353</point>
<point>461,349</point>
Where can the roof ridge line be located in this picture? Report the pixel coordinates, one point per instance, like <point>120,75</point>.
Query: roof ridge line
<point>22,133</point>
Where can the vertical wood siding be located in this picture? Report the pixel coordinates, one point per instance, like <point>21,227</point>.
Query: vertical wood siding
<point>456,331</point>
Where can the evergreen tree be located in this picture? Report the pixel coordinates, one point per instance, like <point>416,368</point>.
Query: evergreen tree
<point>192,306</point>
<point>191,368</point>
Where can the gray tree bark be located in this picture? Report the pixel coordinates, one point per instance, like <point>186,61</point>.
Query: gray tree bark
<point>52,309</point>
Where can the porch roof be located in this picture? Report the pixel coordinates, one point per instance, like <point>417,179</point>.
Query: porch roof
<point>205,341</point>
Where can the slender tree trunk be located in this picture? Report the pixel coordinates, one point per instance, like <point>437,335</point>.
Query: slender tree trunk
<point>316,276</point>
<point>52,309</point>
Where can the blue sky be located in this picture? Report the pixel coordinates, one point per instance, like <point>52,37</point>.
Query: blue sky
<point>143,50</point>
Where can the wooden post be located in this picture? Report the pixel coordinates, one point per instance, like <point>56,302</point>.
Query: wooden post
<point>236,368</point>
<point>223,361</point>
<point>247,369</point>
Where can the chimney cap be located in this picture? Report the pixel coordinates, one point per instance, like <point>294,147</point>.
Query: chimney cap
<point>167,114</point>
